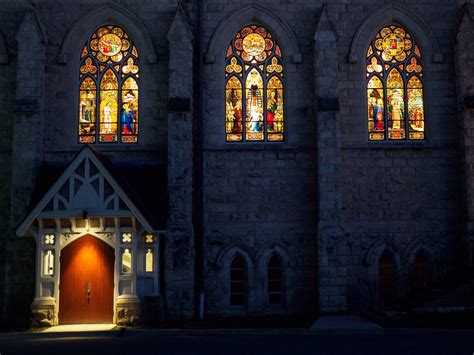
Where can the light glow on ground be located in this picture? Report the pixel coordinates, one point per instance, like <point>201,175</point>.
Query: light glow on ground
<point>80,328</point>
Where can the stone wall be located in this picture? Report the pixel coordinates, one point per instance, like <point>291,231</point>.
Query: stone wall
<point>257,197</point>
<point>7,88</point>
<point>464,50</point>
<point>254,201</point>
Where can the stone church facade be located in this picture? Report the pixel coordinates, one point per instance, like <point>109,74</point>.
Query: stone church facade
<point>195,225</point>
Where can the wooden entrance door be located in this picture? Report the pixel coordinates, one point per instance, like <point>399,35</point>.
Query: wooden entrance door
<point>86,289</point>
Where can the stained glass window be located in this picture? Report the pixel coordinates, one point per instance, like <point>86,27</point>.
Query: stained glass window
<point>108,90</point>
<point>394,86</point>
<point>254,87</point>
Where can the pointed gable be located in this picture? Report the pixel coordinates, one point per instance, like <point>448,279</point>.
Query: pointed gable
<point>86,186</point>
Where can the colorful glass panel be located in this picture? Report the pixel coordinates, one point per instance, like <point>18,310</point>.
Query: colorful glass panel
<point>376,109</point>
<point>234,109</point>
<point>87,111</point>
<point>415,108</point>
<point>254,111</point>
<point>109,88</point>
<point>108,107</point>
<point>254,87</point>
<point>129,115</point>
<point>395,105</point>
<point>394,86</point>
<point>274,109</point>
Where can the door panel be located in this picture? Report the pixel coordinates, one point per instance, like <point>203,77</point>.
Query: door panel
<point>86,287</point>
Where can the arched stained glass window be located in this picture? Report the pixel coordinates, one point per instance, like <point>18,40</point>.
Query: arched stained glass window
<point>108,91</point>
<point>254,87</point>
<point>394,86</point>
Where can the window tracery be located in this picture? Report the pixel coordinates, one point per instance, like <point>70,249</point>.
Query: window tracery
<point>254,87</point>
<point>108,91</point>
<point>394,86</point>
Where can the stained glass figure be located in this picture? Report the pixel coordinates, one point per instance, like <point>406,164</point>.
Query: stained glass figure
<point>234,109</point>
<point>394,86</point>
<point>395,105</point>
<point>254,107</point>
<point>254,87</point>
<point>108,107</point>
<point>375,94</point>
<point>108,93</point>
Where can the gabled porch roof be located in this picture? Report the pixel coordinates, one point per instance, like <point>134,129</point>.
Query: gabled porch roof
<point>92,184</point>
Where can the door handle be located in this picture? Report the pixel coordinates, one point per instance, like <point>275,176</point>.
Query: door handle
<point>88,293</point>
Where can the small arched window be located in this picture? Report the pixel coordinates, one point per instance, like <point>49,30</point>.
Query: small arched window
<point>238,281</point>
<point>108,90</point>
<point>275,280</point>
<point>386,277</point>
<point>421,270</point>
<point>395,86</point>
<point>254,87</point>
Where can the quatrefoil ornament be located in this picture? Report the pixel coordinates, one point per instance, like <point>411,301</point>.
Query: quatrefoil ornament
<point>126,237</point>
<point>49,239</point>
<point>149,238</point>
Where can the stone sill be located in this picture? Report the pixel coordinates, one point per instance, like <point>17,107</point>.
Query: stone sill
<point>109,147</point>
<point>258,146</point>
<point>400,145</point>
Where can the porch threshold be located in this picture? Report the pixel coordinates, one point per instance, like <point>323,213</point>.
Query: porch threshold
<point>73,328</point>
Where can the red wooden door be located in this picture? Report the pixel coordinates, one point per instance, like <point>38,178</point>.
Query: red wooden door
<point>86,288</point>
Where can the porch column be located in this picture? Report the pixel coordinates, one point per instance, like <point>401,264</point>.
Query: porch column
<point>179,242</point>
<point>331,243</point>
<point>464,51</point>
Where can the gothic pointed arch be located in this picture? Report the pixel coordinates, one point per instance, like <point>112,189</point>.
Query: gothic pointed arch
<point>397,14</point>
<point>272,247</point>
<point>415,246</point>
<point>377,249</point>
<point>254,97</point>
<point>109,13</point>
<point>109,87</point>
<point>226,254</point>
<point>253,13</point>
<point>464,20</point>
<point>395,85</point>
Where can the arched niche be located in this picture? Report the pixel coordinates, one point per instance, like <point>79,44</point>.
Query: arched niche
<point>377,249</point>
<point>3,50</point>
<point>465,17</point>
<point>398,14</point>
<point>226,255</point>
<point>103,14</point>
<point>253,13</point>
<point>417,245</point>
<point>275,247</point>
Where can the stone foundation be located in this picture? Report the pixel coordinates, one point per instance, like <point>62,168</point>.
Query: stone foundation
<point>128,310</point>
<point>43,312</point>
